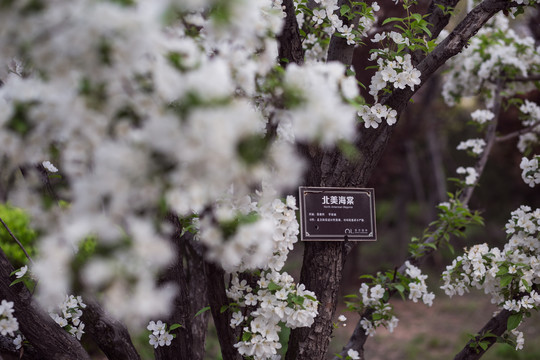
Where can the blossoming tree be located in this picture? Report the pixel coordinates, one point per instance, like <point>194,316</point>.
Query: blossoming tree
<point>155,145</point>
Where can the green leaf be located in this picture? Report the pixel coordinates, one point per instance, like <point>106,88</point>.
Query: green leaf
<point>484,345</point>
<point>273,286</point>
<point>176,326</point>
<point>298,300</point>
<point>513,321</point>
<point>392,19</point>
<point>16,281</point>
<point>367,277</point>
<point>204,309</point>
<point>502,270</point>
<point>399,288</point>
<point>223,309</point>
<point>344,9</point>
<point>526,284</point>
<point>246,336</point>
<point>505,280</point>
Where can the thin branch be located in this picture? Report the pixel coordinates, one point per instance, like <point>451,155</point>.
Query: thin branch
<point>523,78</point>
<point>489,139</point>
<point>517,133</point>
<point>17,241</point>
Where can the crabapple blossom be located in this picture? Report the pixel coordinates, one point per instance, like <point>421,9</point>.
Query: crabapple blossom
<point>476,146</point>
<point>159,334</point>
<point>278,301</point>
<point>482,116</point>
<point>531,170</point>
<point>69,316</point>
<point>471,175</point>
<point>8,322</point>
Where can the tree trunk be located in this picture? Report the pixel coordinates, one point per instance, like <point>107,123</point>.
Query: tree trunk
<point>215,280</point>
<point>322,273</point>
<point>181,346</point>
<point>198,296</point>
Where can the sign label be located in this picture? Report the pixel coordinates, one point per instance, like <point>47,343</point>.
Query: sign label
<point>337,214</point>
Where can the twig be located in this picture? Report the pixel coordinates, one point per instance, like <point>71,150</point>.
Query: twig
<point>517,133</point>
<point>17,241</point>
<point>523,79</point>
<point>490,140</point>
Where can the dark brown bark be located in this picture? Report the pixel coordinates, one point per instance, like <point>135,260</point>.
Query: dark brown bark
<point>321,273</point>
<point>496,325</point>
<point>109,334</point>
<point>181,346</point>
<point>290,43</point>
<point>198,296</point>
<point>46,337</point>
<point>215,280</point>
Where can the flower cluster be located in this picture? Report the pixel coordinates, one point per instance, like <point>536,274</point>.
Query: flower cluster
<point>260,234</point>
<point>413,283</point>
<point>70,315</point>
<point>8,323</point>
<point>495,50</point>
<point>352,355</point>
<point>383,315</point>
<point>396,73</point>
<point>476,146</point>
<point>530,170</point>
<point>274,300</point>
<point>471,175</point>
<point>159,335</point>
<point>320,112</point>
<point>508,275</point>
<point>482,116</point>
<point>323,21</point>
<point>530,113</point>
<point>374,115</point>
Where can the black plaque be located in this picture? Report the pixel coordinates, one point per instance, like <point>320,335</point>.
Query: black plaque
<point>337,214</point>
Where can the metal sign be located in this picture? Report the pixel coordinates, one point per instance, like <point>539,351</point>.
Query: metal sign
<point>337,214</point>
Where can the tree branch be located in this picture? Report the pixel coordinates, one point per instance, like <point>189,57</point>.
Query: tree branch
<point>517,133</point>
<point>109,334</point>
<point>489,139</point>
<point>47,338</point>
<point>523,79</point>
<point>496,325</point>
